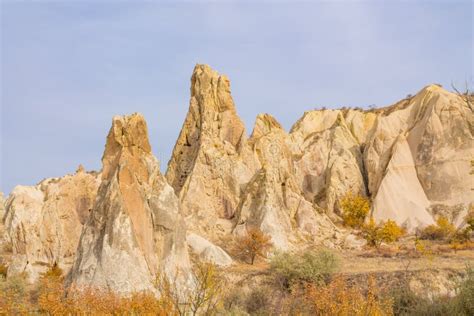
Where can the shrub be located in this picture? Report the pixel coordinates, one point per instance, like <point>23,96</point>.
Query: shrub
<point>465,297</point>
<point>338,298</point>
<point>311,267</point>
<point>204,296</point>
<point>3,270</point>
<point>390,231</point>
<point>257,301</point>
<point>406,302</point>
<point>371,233</point>
<point>387,232</point>
<point>354,209</point>
<point>13,295</point>
<point>440,231</point>
<point>470,219</point>
<point>255,243</point>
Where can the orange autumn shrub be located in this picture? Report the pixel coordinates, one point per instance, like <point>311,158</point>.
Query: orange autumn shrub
<point>54,299</point>
<point>255,243</point>
<point>338,298</point>
<point>13,296</point>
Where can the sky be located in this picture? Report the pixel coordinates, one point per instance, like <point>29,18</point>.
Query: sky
<point>67,67</point>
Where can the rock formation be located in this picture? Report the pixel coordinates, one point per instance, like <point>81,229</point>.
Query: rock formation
<point>124,227</point>
<point>220,175</point>
<point>418,157</point>
<point>135,232</point>
<point>210,161</point>
<point>328,160</point>
<point>273,201</point>
<point>207,251</point>
<point>43,223</point>
<point>411,208</point>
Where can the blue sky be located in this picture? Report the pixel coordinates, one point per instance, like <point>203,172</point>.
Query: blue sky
<point>68,67</point>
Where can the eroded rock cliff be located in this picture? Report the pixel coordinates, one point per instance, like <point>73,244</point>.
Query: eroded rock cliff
<point>43,223</point>
<point>418,158</point>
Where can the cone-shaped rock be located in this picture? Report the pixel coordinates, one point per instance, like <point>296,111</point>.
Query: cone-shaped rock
<point>135,231</point>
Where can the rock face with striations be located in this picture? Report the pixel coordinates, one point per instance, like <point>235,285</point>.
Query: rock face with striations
<point>273,201</point>
<point>43,223</point>
<point>418,158</point>
<point>135,232</point>
<point>210,161</point>
<point>328,157</point>
<point>411,159</point>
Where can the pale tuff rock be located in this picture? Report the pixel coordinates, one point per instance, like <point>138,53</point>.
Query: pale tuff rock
<point>272,201</point>
<point>328,159</point>
<point>351,241</point>
<point>409,209</point>
<point>207,251</point>
<point>135,232</point>
<point>210,161</point>
<point>438,127</point>
<point>43,223</point>
<point>360,124</point>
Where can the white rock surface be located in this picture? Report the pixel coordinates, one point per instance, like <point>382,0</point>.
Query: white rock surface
<point>409,209</point>
<point>207,251</point>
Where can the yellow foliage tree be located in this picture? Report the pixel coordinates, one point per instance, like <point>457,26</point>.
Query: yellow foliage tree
<point>354,209</point>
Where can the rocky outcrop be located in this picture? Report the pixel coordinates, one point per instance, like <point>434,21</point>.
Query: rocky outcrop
<point>210,161</point>
<point>43,223</point>
<point>135,232</point>
<point>279,181</point>
<point>420,150</point>
<point>273,201</point>
<point>328,158</point>
<point>207,251</point>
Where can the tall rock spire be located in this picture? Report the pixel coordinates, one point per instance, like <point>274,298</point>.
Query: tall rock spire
<point>135,231</point>
<point>210,160</point>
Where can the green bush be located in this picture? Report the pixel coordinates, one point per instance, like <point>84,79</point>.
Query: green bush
<point>312,266</point>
